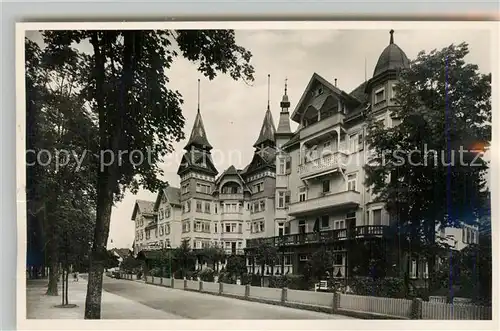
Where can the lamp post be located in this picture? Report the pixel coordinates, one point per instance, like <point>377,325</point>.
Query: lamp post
<point>170,260</point>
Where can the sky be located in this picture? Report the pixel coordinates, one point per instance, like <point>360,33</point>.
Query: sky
<point>233,111</point>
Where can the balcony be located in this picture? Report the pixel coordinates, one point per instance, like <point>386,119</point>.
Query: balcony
<point>231,235</point>
<point>232,216</point>
<point>323,165</point>
<point>365,231</point>
<point>322,125</point>
<point>231,196</point>
<point>329,202</point>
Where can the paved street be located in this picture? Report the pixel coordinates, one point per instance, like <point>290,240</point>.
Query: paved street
<point>194,305</point>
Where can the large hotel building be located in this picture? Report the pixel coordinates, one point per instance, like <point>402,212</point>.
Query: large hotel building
<point>301,190</point>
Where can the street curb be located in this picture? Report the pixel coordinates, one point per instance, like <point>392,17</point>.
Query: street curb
<point>320,309</point>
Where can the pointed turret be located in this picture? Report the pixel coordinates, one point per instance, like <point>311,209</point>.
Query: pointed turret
<point>284,122</point>
<point>198,136</point>
<point>268,130</point>
<point>198,148</point>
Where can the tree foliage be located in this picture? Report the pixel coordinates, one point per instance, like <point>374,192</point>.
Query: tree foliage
<point>320,265</point>
<point>236,265</point>
<point>60,184</point>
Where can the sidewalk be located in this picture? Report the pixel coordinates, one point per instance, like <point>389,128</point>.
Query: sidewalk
<point>41,306</point>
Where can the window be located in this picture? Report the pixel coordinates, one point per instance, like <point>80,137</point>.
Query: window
<point>160,214</point>
<point>215,208</point>
<point>339,224</point>
<point>249,226</point>
<point>228,227</point>
<point>216,228</point>
<point>287,198</point>
<point>198,206</point>
<point>350,218</point>
<point>379,95</point>
<point>281,229</point>
<point>203,188</point>
<point>377,217</point>
<point>302,194</point>
<point>473,237</point>
<point>288,165</point>
<point>262,205</point>
<point>326,186</point>
<point>185,226</point>
<point>353,143</point>
<point>281,166</point>
<point>206,227</point>
<point>148,234</point>
<point>167,212</point>
<point>167,228</point>
<point>185,188</point>
<point>240,244</point>
<point>413,268</point>
<point>281,199</point>
<point>258,187</point>
<point>351,182</point>
<point>207,207</point>
<point>325,221</point>
<point>240,228</point>
<point>393,91</point>
<point>288,260</point>
<point>161,230</point>
<point>426,269</point>
<point>261,226</point>
<point>287,228</point>
<point>339,259</point>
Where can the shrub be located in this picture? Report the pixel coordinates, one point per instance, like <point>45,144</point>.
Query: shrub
<point>390,287</point>
<point>225,277</point>
<point>207,275</point>
<point>155,272</point>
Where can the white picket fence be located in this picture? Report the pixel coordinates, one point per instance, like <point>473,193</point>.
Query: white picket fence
<point>447,311</point>
<point>378,305</point>
<point>434,309</point>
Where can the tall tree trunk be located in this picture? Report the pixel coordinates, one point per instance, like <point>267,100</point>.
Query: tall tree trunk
<point>66,282</point>
<point>110,135</point>
<point>53,268</point>
<point>62,287</point>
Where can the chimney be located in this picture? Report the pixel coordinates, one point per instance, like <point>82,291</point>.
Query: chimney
<point>335,82</point>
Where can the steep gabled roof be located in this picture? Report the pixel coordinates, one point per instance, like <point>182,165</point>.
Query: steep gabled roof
<point>265,158</point>
<point>232,171</point>
<point>122,252</point>
<point>144,207</point>
<point>197,160</point>
<point>267,130</point>
<point>293,140</point>
<point>318,79</point>
<point>173,196</point>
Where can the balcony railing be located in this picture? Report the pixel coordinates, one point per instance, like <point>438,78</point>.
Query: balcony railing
<point>345,199</point>
<point>322,165</point>
<point>322,125</point>
<point>231,196</point>
<point>320,237</point>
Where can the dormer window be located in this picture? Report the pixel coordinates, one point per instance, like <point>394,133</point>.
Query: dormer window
<point>318,91</point>
<point>379,95</point>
